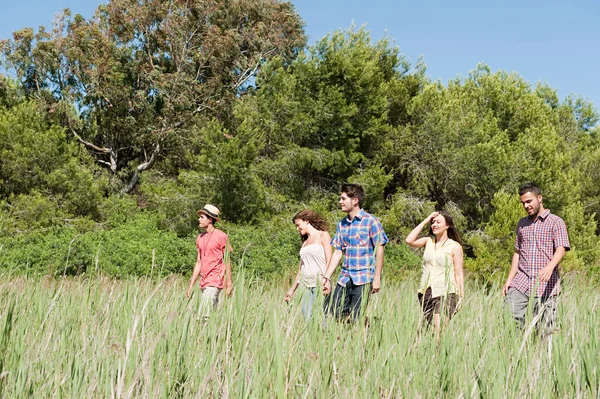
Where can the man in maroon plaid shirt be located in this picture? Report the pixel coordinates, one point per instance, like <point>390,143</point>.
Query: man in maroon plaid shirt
<point>541,243</point>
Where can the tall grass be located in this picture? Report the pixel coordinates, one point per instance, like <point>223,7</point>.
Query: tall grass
<point>143,338</point>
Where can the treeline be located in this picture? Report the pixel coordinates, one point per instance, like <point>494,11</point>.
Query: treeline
<point>119,127</point>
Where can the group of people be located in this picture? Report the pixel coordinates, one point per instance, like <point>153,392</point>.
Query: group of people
<point>541,242</point>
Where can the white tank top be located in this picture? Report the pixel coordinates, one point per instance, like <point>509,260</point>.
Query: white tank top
<point>313,264</point>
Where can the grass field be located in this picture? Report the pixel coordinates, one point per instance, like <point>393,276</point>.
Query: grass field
<point>77,338</point>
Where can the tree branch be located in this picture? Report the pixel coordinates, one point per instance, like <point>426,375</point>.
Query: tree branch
<point>142,167</point>
<point>104,150</point>
<point>248,73</point>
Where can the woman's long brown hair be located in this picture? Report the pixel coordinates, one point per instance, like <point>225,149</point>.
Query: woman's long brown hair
<point>316,220</point>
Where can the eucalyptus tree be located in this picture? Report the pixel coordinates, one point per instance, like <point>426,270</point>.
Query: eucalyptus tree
<point>131,81</point>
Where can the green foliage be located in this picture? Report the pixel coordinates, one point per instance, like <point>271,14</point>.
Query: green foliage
<point>345,109</point>
<point>404,212</point>
<point>136,247</point>
<point>24,213</point>
<point>175,202</point>
<point>493,245</point>
<point>46,181</point>
<point>139,73</point>
<point>321,119</point>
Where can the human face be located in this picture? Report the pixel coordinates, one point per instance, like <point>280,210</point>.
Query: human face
<point>439,225</point>
<point>347,203</point>
<point>203,221</point>
<point>531,203</point>
<point>301,226</point>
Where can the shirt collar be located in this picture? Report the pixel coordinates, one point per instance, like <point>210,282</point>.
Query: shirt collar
<point>544,214</point>
<point>359,216</point>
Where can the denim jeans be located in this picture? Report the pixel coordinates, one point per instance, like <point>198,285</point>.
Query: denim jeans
<point>346,301</point>
<point>309,294</point>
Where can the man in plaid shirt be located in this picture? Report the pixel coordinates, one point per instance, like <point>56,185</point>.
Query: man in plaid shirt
<point>361,239</point>
<point>540,245</point>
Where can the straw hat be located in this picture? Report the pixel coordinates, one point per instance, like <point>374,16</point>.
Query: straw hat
<point>210,211</point>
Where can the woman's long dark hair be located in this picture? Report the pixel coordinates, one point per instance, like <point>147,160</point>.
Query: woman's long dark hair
<point>316,220</point>
<point>452,231</point>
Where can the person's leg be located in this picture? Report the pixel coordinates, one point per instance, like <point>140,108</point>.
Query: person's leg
<point>448,305</point>
<point>427,305</point>
<point>437,326</point>
<point>208,300</point>
<point>517,303</point>
<point>308,299</point>
<point>437,308</point>
<point>334,304</point>
<point>358,298</point>
<point>547,309</point>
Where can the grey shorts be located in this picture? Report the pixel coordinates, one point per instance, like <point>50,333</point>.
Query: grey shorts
<point>544,310</point>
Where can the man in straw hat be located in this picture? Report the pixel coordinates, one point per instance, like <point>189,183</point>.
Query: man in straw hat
<point>213,264</point>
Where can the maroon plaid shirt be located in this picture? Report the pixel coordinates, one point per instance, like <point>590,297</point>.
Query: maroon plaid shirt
<point>536,243</point>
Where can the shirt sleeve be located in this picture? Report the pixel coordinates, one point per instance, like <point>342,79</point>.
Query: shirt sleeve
<point>336,241</point>
<point>378,236</point>
<point>518,239</point>
<point>560,236</point>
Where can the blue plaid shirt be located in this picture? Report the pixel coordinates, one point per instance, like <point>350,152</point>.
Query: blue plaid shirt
<point>358,240</point>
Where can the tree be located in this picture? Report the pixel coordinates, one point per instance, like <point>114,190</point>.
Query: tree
<point>44,180</point>
<point>321,119</point>
<point>141,71</point>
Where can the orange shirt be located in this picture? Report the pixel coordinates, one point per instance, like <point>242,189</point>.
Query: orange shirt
<point>211,249</point>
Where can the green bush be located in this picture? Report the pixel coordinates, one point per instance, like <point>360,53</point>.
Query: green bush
<point>124,250</point>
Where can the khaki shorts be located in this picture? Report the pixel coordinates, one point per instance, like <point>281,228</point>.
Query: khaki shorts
<point>209,299</point>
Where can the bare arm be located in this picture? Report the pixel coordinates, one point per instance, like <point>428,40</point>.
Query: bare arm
<point>195,275</point>
<point>335,260</point>
<point>326,243</point>
<point>514,267</point>
<point>228,277</point>
<point>227,263</point>
<point>378,268</point>
<point>413,239</point>
<point>292,290</point>
<point>459,274</point>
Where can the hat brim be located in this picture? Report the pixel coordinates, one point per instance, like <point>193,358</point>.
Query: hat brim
<point>208,213</point>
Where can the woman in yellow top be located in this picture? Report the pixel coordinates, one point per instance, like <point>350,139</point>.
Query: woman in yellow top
<point>442,283</point>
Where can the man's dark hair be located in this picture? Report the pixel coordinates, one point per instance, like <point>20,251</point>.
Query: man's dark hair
<point>530,188</point>
<point>354,191</point>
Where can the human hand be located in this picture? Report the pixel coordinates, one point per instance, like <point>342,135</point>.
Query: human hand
<point>326,286</point>
<point>228,287</point>
<point>288,296</point>
<point>546,273</point>
<point>189,292</point>
<point>506,287</point>
<point>459,304</point>
<point>432,216</point>
<point>376,285</point>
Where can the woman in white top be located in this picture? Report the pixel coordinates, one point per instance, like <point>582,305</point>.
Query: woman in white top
<point>314,256</point>
<point>442,282</point>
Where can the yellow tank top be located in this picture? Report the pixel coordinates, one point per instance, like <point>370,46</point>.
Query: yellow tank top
<point>438,269</point>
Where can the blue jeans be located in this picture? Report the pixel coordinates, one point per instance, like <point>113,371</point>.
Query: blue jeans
<point>346,301</point>
<point>309,294</point>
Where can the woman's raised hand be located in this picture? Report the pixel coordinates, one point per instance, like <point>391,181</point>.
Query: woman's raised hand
<point>429,218</point>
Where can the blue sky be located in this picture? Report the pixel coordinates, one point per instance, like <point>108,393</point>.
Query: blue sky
<point>550,41</point>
